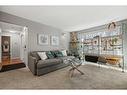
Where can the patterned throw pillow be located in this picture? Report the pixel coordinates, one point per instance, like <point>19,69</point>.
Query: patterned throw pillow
<point>42,55</point>
<point>53,53</point>
<point>49,54</point>
<point>57,53</point>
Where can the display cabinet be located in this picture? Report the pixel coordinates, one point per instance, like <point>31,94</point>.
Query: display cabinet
<point>108,44</point>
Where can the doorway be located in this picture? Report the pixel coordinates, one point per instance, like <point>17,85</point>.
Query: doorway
<point>5,45</point>
<point>13,44</point>
<point>10,49</point>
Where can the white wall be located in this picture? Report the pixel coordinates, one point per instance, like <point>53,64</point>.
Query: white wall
<point>15,46</point>
<point>65,39</point>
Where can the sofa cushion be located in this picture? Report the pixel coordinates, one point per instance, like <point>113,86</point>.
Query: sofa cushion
<point>49,54</point>
<point>34,54</point>
<point>48,62</point>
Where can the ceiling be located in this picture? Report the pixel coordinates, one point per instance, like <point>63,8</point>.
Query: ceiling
<point>69,18</point>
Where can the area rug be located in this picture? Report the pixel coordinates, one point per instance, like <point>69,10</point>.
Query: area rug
<point>94,78</point>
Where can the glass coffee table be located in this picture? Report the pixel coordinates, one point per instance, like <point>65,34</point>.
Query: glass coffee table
<point>74,63</point>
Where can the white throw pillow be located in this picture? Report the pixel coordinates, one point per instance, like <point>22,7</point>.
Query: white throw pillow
<point>64,52</point>
<point>42,55</point>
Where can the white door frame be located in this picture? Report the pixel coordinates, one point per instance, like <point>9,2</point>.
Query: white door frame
<point>24,46</point>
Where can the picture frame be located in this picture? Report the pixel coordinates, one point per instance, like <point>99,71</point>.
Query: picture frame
<point>55,40</point>
<point>43,39</point>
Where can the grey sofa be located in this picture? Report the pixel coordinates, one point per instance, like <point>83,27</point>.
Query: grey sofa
<point>40,67</point>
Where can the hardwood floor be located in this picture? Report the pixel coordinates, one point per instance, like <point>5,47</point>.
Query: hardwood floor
<point>11,61</point>
<point>12,64</point>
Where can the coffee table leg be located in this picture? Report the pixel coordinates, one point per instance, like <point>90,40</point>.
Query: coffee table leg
<point>73,69</point>
<point>79,71</point>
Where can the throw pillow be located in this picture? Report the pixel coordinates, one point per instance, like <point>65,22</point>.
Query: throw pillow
<point>49,55</point>
<point>53,53</point>
<point>64,52</point>
<point>59,54</point>
<point>42,55</point>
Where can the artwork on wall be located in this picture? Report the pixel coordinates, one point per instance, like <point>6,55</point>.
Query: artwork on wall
<point>54,40</point>
<point>43,39</point>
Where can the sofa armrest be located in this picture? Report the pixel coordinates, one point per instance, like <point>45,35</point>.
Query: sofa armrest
<point>32,64</point>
